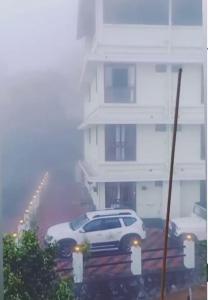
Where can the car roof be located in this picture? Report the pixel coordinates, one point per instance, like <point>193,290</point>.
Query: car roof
<point>111,213</point>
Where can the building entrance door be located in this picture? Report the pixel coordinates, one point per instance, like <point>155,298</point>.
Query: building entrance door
<point>120,195</point>
<point>150,199</point>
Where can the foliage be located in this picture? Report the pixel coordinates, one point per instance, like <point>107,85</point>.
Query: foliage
<point>29,270</point>
<point>201,260</point>
<point>64,291</point>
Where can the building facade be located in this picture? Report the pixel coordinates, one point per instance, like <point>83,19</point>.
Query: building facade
<point>134,50</point>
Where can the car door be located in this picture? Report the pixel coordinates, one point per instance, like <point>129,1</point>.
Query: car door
<point>112,229</point>
<point>103,230</point>
<point>93,232</point>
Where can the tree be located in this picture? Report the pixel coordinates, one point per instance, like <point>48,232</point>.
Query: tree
<point>29,271</point>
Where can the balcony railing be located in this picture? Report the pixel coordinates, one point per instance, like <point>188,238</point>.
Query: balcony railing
<point>120,95</point>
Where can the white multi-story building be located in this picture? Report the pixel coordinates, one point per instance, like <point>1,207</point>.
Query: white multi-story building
<point>134,49</point>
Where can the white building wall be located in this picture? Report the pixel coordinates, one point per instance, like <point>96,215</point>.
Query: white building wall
<point>147,77</point>
<point>191,85</point>
<point>190,191</point>
<point>149,47</point>
<point>188,147</point>
<point>151,145</point>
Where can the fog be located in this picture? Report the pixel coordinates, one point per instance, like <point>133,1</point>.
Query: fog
<point>39,86</point>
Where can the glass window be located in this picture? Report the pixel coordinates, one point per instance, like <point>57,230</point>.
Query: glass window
<point>120,195</point>
<point>95,225</point>
<point>129,221</point>
<point>160,127</point>
<point>76,224</point>
<point>203,143</point>
<point>136,12</point>
<point>111,223</point>
<point>179,128</point>
<point>187,12</point>
<point>203,193</point>
<point>161,68</point>
<point>120,83</point>
<point>158,183</point>
<point>120,142</point>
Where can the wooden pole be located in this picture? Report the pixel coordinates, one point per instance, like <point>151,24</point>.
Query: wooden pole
<point>164,269</point>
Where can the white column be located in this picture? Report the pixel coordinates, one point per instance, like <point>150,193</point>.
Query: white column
<point>136,257</point>
<point>101,195</point>
<point>78,267</point>
<point>189,252</point>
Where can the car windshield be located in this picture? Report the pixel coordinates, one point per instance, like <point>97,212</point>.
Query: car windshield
<point>79,222</point>
<point>200,211</point>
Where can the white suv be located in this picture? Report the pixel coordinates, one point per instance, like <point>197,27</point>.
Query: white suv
<point>105,229</point>
<point>194,225</point>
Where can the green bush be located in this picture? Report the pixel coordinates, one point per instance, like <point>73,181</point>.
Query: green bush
<point>29,271</point>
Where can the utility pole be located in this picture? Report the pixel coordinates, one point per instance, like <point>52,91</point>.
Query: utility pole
<point>164,269</point>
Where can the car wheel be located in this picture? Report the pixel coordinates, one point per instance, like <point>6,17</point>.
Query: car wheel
<point>65,248</point>
<point>127,242</point>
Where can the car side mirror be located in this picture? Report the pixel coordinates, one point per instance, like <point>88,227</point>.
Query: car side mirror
<point>81,230</point>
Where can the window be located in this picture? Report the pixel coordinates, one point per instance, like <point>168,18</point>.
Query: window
<point>129,221</point>
<point>111,223</point>
<point>203,193</point>
<point>136,11</point>
<point>77,223</point>
<point>120,142</point>
<point>158,183</point>
<point>120,195</point>
<point>119,83</point>
<point>160,127</point>
<point>175,68</point>
<point>203,143</point>
<point>179,128</point>
<point>95,225</point>
<point>161,68</point>
<point>187,12</point>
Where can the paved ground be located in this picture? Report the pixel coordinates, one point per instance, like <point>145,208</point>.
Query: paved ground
<point>199,293</point>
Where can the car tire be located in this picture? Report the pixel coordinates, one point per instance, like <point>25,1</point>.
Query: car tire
<point>127,241</point>
<point>65,248</point>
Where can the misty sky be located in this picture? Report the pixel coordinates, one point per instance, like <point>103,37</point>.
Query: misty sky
<point>39,69</point>
<point>36,34</point>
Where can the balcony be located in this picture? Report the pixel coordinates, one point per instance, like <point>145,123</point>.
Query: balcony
<point>120,95</point>
<point>135,172</point>
<point>131,113</point>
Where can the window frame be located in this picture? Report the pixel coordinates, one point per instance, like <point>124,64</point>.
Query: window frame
<point>131,87</point>
<point>130,217</point>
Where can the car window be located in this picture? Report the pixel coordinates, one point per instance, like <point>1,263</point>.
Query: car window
<point>77,223</point>
<point>129,221</point>
<point>94,225</point>
<point>111,223</point>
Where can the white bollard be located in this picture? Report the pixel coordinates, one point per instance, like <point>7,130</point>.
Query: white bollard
<point>189,252</point>
<point>78,267</point>
<point>136,257</point>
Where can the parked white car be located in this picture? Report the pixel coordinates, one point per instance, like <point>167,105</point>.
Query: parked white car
<point>193,226</point>
<point>111,229</point>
